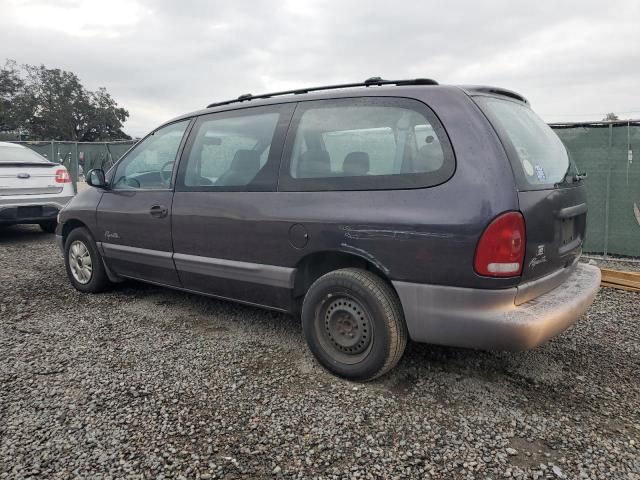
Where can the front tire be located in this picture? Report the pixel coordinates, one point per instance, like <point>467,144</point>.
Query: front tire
<point>83,262</point>
<point>353,323</point>
<point>49,226</point>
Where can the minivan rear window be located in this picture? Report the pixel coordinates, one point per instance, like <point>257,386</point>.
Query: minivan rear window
<point>541,158</point>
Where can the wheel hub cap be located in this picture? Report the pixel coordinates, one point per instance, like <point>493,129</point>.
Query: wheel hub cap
<point>347,326</point>
<point>80,262</point>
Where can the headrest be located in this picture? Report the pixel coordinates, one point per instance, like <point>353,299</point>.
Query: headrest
<point>314,163</point>
<point>430,158</point>
<point>245,160</point>
<point>356,163</point>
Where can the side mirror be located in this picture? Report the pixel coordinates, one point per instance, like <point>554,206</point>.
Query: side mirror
<point>95,178</point>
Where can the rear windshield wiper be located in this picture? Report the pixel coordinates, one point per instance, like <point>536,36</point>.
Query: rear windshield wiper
<point>570,178</point>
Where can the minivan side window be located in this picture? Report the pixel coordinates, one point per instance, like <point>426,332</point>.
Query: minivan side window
<point>365,143</point>
<point>230,150</point>
<point>149,165</point>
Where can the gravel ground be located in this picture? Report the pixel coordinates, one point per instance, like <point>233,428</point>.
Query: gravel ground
<point>625,265</point>
<point>145,382</point>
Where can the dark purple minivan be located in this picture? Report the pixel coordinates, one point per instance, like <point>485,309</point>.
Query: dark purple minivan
<point>378,211</point>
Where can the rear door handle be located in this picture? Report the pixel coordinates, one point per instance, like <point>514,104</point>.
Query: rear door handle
<point>158,211</point>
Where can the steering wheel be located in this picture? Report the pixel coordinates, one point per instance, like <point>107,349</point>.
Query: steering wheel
<point>165,175</point>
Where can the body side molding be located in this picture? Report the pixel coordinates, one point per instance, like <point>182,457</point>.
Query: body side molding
<point>157,258</point>
<point>275,276</point>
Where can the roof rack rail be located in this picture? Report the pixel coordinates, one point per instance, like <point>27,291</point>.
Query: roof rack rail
<point>373,81</point>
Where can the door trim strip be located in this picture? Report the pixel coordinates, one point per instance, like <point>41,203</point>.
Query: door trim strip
<point>282,277</point>
<point>272,275</point>
<point>154,258</point>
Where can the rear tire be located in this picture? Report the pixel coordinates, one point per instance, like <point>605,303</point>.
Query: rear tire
<point>353,323</point>
<point>83,262</point>
<point>49,226</point>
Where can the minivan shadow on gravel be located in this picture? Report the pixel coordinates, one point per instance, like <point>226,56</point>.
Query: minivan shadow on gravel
<point>429,368</point>
<point>220,319</point>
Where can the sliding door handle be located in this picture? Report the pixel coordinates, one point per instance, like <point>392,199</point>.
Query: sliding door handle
<point>158,211</point>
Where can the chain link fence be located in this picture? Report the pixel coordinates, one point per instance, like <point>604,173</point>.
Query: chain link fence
<point>80,157</point>
<point>609,152</point>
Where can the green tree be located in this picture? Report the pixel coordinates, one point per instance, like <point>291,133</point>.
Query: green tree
<point>52,104</point>
<point>10,85</point>
<point>610,117</point>
<point>106,119</point>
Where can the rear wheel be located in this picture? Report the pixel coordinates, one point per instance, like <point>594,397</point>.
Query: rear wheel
<point>83,262</point>
<point>353,323</point>
<point>49,226</point>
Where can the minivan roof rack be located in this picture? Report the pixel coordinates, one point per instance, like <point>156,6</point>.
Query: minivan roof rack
<point>369,82</point>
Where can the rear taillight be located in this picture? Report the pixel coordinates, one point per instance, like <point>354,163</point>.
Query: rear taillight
<point>500,250</point>
<point>62,176</point>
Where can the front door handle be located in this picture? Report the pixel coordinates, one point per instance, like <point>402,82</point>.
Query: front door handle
<point>158,211</point>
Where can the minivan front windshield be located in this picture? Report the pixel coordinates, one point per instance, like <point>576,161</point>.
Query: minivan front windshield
<point>542,158</point>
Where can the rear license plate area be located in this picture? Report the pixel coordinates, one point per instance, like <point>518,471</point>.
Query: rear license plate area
<point>568,230</point>
<point>29,212</point>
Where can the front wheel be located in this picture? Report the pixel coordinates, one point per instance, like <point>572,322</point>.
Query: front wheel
<point>83,262</point>
<point>353,323</point>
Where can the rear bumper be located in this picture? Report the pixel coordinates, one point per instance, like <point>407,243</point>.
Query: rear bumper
<point>491,319</point>
<point>32,209</point>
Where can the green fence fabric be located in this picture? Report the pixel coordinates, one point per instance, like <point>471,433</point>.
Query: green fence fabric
<point>87,155</point>
<point>610,155</point>
<point>608,152</point>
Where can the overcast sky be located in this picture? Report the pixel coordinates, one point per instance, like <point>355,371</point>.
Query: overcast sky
<point>574,60</point>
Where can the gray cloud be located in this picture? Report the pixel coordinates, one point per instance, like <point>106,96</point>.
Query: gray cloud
<point>575,60</point>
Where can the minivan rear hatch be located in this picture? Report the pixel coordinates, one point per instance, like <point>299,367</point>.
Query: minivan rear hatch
<point>551,193</point>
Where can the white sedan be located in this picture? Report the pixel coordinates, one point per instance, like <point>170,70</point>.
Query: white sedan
<point>32,189</point>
